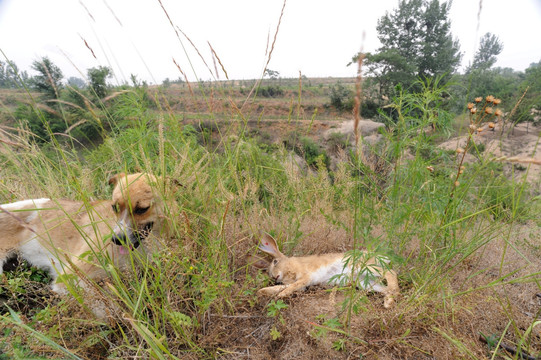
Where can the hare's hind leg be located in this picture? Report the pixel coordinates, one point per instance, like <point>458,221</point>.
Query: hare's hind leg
<point>392,291</point>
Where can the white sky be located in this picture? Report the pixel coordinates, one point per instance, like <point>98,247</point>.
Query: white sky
<point>316,37</point>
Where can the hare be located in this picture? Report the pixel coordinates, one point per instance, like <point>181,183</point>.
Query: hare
<point>297,273</point>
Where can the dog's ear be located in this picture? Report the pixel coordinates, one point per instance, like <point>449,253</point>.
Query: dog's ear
<point>113,180</point>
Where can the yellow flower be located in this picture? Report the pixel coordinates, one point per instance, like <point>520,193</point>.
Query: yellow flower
<point>470,106</point>
<point>430,168</point>
<point>473,111</point>
<point>459,150</point>
<point>488,110</point>
<point>491,124</point>
<point>498,112</point>
<point>497,101</point>
<point>490,98</point>
<point>456,183</point>
<point>478,99</point>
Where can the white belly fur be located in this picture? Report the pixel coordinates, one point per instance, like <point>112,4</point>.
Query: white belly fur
<point>31,250</point>
<point>38,256</point>
<point>368,279</point>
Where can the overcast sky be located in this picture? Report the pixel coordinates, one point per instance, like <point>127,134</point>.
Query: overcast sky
<point>316,37</point>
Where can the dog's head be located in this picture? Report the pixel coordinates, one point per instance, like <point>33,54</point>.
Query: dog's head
<point>137,206</point>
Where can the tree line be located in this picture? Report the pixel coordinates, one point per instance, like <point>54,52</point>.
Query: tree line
<point>417,45</point>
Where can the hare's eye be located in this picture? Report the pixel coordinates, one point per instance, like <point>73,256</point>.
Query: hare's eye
<point>116,208</point>
<point>274,262</point>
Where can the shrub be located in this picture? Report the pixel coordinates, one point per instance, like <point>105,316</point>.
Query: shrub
<point>270,91</point>
<point>341,97</point>
<point>308,149</point>
<point>337,141</point>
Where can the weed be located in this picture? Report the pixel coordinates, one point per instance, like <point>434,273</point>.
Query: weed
<point>274,308</point>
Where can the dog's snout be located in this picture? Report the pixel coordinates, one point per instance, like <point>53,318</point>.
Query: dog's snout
<point>119,239</point>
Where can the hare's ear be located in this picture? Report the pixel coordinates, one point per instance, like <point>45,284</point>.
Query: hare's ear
<point>114,179</point>
<point>268,245</point>
<point>258,262</point>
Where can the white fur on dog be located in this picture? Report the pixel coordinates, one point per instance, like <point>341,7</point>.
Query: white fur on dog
<point>24,205</point>
<point>31,250</point>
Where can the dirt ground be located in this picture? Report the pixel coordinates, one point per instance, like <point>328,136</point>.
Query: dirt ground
<point>520,141</point>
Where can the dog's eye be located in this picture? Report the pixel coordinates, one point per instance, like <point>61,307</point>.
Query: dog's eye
<point>140,210</point>
<point>116,208</point>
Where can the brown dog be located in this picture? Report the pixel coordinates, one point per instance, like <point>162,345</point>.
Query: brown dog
<point>57,234</point>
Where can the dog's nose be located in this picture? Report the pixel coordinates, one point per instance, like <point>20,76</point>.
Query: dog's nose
<point>119,239</point>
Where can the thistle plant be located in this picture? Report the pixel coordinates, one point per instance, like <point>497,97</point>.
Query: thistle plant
<point>482,115</point>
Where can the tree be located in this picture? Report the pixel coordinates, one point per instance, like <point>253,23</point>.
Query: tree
<point>490,47</point>
<point>97,77</point>
<point>49,78</point>
<point>10,76</point>
<point>416,43</point>
<point>76,82</point>
<point>272,74</point>
<point>439,53</point>
<point>530,91</point>
<point>482,80</point>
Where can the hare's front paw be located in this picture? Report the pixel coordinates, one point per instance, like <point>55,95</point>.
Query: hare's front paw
<point>271,290</point>
<point>389,300</point>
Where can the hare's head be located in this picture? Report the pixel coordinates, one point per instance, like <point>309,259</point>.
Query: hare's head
<point>277,268</point>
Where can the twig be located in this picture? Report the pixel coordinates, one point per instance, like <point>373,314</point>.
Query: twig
<point>510,349</point>
<point>238,316</point>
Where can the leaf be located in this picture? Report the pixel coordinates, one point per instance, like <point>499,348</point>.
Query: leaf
<point>275,334</point>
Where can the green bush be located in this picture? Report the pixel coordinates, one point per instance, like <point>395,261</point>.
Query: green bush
<point>312,153</point>
<point>337,141</point>
<point>341,98</point>
<point>270,91</point>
